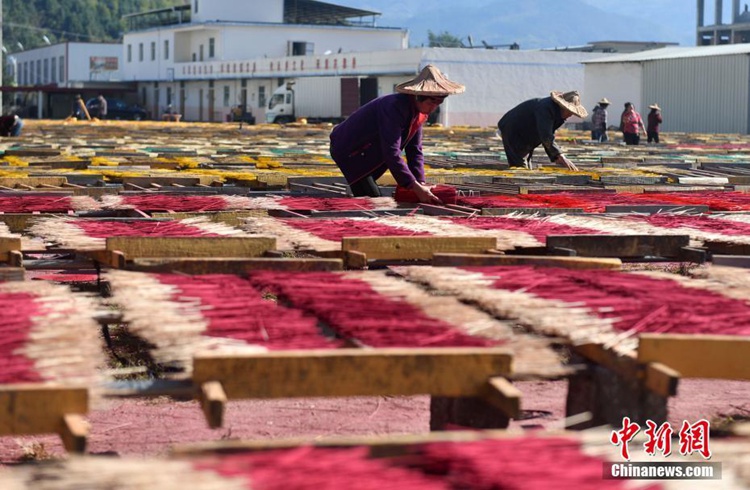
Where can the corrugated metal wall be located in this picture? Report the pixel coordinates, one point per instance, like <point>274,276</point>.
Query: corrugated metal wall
<point>703,94</point>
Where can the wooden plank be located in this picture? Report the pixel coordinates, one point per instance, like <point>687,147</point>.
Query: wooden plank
<point>8,245</point>
<point>624,365</point>
<point>726,248</point>
<point>624,246</point>
<point>168,180</point>
<point>154,247</point>
<point>502,394</point>
<point>742,261</point>
<point>233,266</point>
<point>74,433</point>
<point>481,260</point>
<point>698,356</point>
<point>661,379</point>
<point>538,211</point>
<point>655,208</point>
<point>213,402</point>
<point>416,247</point>
<point>34,409</point>
<point>452,372</point>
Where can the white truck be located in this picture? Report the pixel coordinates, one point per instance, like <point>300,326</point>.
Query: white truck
<point>316,99</point>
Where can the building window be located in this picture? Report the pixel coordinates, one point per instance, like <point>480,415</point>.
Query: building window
<point>26,73</point>
<point>153,51</point>
<point>140,51</point>
<point>38,71</point>
<point>262,96</point>
<point>45,78</point>
<point>211,47</point>
<point>53,69</point>
<point>130,53</point>
<point>299,48</point>
<point>193,56</point>
<point>195,6</point>
<point>200,52</point>
<point>61,67</point>
<point>166,49</point>
<point>169,95</point>
<point>226,95</point>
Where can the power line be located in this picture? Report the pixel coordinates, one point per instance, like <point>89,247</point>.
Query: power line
<point>47,29</point>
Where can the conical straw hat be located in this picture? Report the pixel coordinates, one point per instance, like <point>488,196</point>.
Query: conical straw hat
<point>570,101</point>
<point>430,82</point>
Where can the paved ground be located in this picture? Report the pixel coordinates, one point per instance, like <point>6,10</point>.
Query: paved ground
<point>152,426</point>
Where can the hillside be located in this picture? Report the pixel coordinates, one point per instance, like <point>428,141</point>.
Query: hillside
<point>27,21</point>
<point>541,23</point>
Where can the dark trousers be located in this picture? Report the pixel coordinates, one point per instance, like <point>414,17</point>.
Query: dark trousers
<point>632,138</point>
<point>365,187</point>
<point>653,136</point>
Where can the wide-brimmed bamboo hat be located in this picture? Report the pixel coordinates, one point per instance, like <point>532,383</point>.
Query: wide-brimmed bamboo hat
<point>430,82</point>
<point>604,101</point>
<point>655,106</point>
<point>570,101</point>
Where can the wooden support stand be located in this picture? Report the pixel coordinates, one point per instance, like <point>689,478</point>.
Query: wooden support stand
<point>32,409</point>
<point>444,373</point>
<point>415,247</point>
<point>120,251</point>
<point>616,385</point>
<point>698,356</point>
<point>490,259</point>
<point>622,246</point>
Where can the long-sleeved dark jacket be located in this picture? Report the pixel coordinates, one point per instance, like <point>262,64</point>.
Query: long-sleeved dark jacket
<point>533,123</point>
<point>371,140</point>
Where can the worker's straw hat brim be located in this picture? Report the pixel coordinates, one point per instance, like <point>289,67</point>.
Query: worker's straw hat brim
<point>430,82</point>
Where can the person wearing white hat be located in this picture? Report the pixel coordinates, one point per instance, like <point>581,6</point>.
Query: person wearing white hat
<point>653,124</point>
<point>533,123</point>
<point>599,121</point>
<point>372,139</point>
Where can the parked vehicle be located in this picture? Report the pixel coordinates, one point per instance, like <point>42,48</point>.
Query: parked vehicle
<point>119,109</point>
<point>313,98</point>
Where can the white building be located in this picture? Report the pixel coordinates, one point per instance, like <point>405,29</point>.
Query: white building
<point>209,57</point>
<point>700,89</point>
<point>68,64</point>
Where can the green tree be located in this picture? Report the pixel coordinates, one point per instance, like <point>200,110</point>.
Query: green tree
<point>444,40</point>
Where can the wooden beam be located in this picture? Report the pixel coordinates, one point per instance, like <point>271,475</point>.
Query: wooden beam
<point>213,402</point>
<point>233,266</point>
<point>154,247</point>
<point>481,260</point>
<point>8,245</point>
<point>34,409</point>
<point>416,247</point>
<point>74,433</point>
<point>661,379</point>
<point>502,394</point>
<point>621,245</point>
<point>698,356</point>
<point>451,372</point>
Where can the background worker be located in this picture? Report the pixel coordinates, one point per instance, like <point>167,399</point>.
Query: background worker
<point>632,125</point>
<point>10,125</point>
<point>533,123</point>
<point>371,140</point>
<point>101,107</point>
<point>653,124</point>
<point>599,121</point>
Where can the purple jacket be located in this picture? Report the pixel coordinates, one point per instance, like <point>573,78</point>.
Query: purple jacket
<point>371,140</point>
